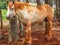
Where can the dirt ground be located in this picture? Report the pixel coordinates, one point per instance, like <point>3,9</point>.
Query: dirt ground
<point>38,38</point>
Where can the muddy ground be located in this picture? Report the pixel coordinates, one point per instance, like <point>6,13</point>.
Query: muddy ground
<point>38,37</point>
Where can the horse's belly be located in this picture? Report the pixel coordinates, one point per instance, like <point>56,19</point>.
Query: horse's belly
<point>32,16</point>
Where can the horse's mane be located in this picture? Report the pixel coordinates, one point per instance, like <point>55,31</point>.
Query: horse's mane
<point>16,4</point>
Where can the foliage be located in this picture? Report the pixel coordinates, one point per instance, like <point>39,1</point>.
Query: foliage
<point>4,11</point>
<point>2,4</point>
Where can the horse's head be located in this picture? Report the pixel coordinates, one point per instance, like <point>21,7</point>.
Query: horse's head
<point>10,10</point>
<point>13,7</point>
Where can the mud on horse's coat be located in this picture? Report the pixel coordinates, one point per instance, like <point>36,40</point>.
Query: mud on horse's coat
<point>29,14</point>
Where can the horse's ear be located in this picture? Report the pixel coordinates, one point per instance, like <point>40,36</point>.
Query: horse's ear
<point>7,2</point>
<point>13,2</point>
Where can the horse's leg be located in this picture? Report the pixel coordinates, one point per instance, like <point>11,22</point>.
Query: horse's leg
<point>21,26</point>
<point>49,22</point>
<point>49,27</point>
<point>28,33</point>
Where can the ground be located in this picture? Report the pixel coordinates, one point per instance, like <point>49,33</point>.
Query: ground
<point>38,37</point>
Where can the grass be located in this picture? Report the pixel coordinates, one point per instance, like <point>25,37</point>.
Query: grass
<point>4,11</point>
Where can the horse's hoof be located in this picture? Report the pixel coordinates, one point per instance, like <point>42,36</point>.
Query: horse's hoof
<point>22,39</point>
<point>27,44</point>
<point>9,41</point>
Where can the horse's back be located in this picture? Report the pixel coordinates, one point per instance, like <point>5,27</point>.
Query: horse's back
<point>35,13</point>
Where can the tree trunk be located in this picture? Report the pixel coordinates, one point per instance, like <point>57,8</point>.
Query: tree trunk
<point>1,24</point>
<point>39,2</point>
<point>58,10</point>
<point>1,19</point>
<point>27,1</point>
<point>50,2</point>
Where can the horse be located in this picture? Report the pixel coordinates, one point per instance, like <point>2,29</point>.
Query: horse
<point>28,14</point>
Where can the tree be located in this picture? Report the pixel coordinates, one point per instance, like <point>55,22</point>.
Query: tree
<point>1,24</point>
<point>39,2</point>
<point>51,3</point>
<point>58,10</point>
<point>27,1</point>
<point>1,19</point>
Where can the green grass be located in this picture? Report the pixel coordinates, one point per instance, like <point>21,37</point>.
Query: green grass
<point>4,11</point>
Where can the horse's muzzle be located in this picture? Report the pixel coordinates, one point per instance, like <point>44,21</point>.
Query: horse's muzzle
<point>8,18</point>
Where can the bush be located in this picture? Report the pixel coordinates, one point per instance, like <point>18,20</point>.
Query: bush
<point>2,5</point>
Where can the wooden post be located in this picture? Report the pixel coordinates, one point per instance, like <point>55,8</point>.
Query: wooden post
<point>1,19</point>
<point>1,24</point>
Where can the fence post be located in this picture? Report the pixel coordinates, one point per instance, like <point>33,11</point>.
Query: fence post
<point>1,19</point>
<point>1,24</point>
